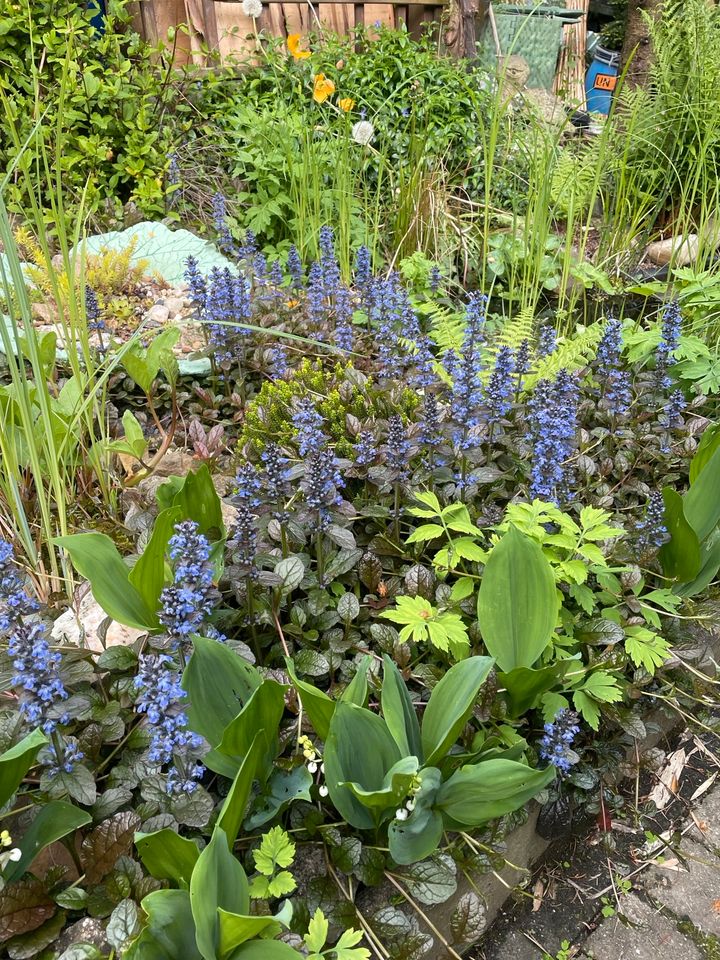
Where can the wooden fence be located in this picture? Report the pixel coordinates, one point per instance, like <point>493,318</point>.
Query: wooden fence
<point>223,27</point>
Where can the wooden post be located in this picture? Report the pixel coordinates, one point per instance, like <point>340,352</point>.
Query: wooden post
<point>460,34</point>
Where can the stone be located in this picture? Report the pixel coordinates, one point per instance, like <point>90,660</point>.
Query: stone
<point>690,892</point>
<point>682,249</point>
<point>707,820</point>
<point>71,625</point>
<point>158,313</point>
<point>639,933</point>
<point>176,305</point>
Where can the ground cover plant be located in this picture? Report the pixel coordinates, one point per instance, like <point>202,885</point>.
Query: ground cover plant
<point>452,552</point>
<point>288,648</point>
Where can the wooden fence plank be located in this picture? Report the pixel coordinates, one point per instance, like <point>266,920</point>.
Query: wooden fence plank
<point>382,13</point>
<point>236,31</point>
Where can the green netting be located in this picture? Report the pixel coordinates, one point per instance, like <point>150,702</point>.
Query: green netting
<point>536,37</point>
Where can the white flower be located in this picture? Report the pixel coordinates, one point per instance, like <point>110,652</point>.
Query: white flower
<point>252,8</point>
<point>401,814</point>
<point>312,766</point>
<point>410,804</point>
<point>363,132</point>
<point>323,791</point>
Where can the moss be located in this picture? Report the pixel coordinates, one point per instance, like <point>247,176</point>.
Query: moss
<point>707,943</point>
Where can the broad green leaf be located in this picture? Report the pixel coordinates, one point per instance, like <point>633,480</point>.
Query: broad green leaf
<point>95,557</point>
<point>709,443</point>
<point>399,712</point>
<point>680,556</point>
<point>282,788</point>
<point>16,762</point>
<point>517,601</point>
<point>450,705</point>
<point>258,722</point>
<point>169,933</point>
<point>167,856</point>
<point>264,950</point>
<point>393,790</point>
<point>357,690</point>
<point>236,928</point>
<point>199,501</point>
<point>218,881</point>
<point>316,704</point>
<point>701,503</point>
<point>218,683</point>
<point>710,560</point>
<point>148,574</point>
<point>419,836</point>
<point>56,820</point>
<point>359,749</point>
<point>233,809</point>
<point>525,686</point>
<point>483,791</point>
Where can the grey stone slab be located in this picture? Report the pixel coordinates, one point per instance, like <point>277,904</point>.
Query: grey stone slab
<point>692,894</point>
<point>639,933</point>
<point>708,817</point>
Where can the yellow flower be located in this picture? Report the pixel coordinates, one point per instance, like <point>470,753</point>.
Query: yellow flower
<point>293,45</point>
<point>346,104</point>
<point>323,88</point>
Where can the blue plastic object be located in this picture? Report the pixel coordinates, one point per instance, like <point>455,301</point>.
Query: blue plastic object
<point>98,19</point>
<point>601,80</point>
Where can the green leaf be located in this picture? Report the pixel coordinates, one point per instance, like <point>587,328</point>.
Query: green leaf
<point>709,443</point>
<point>316,704</point>
<point>483,791</point>
<point>431,881</point>
<point>525,686</point>
<point>701,504</point>
<point>169,932</point>
<point>710,564</point>
<point>357,690</point>
<point>316,937</point>
<point>645,648</point>
<point>264,950</point>
<point>55,820</point>
<point>235,805</point>
<point>588,709</point>
<point>276,850</point>
<point>144,364</point>
<point>428,531</point>
<point>148,574</point>
<point>417,837</point>
<point>199,501</point>
<point>392,791</point>
<point>218,881</point>
<point>16,762</point>
<point>282,788</point>
<point>259,722</point>
<point>517,601</point>
<point>95,557</point>
<point>236,928</point>
<point>218,683</point>
<point>602,686</point>
<point>680,556</point>
<point>359,749</point>
<point>450,705</point>
<point>167,856</point>
<point>399,712</point>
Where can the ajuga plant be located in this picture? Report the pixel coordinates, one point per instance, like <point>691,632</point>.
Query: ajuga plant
<point>448,553</point>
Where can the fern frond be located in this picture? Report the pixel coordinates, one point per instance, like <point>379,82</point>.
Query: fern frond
<point>447,329</point>
<point>570,354</point>
<point>521,327</point>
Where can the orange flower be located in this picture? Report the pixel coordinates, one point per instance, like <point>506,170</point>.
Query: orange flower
<point>322,88</point>
<point>293,45</point>
<point>346,104</point>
